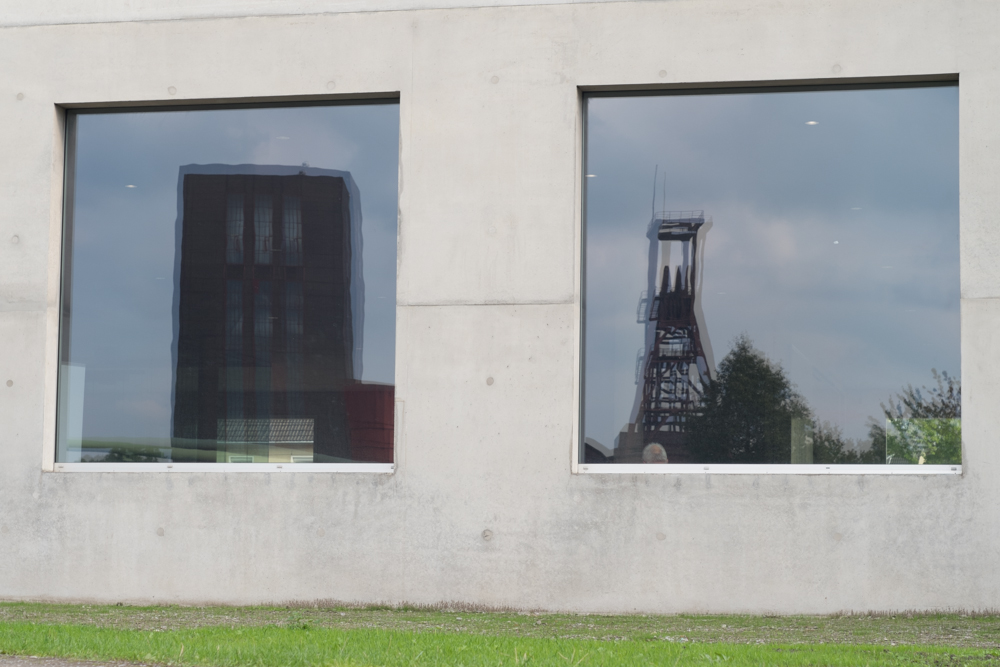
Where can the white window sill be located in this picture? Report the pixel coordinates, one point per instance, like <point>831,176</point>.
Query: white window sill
<point>764,469</point>
<point>380,468</point>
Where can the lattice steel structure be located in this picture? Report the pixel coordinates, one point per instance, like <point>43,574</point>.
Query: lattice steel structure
<point>677,363</point>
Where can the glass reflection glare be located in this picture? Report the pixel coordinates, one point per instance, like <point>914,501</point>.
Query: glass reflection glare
<point>790,296</point>
<point>223,300</point>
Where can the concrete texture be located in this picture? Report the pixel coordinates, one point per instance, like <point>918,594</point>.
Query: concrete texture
<point>488,287</point>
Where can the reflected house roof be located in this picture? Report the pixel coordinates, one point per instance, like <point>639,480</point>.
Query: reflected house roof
<point>277,431</point>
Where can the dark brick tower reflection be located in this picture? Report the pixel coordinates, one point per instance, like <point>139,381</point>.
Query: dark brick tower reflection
<point>267,342</point>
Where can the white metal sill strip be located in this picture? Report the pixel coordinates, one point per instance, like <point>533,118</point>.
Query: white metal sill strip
<point>379,468</point>
<point>765,469</point>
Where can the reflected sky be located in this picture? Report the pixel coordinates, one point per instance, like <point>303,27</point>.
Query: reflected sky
<point>834,245</point>
<point>125,209</point>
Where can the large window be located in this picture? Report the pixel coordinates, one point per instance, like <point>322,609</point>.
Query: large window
<point>772,276</point>
<point>229,286</point>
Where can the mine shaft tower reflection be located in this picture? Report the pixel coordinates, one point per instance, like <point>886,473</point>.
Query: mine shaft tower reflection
<point>677,362</point>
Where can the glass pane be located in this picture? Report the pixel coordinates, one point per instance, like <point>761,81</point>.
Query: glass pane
<point>229,286</point>
<point>773,277</point>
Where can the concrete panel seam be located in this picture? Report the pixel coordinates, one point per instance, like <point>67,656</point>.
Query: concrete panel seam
<point>324,13</point>
<point>450,304</point>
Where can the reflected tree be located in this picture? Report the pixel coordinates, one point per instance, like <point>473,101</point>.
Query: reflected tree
<point>829,446</point>
<point>133,454</point>
<point>747,411</point>
<point>924,425</point>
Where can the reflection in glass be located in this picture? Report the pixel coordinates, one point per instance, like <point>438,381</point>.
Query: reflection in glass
<point>196,351</point>
<point>826,278</point>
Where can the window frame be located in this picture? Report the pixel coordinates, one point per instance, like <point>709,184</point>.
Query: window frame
<point>65,142</point>
<point>584,93</point>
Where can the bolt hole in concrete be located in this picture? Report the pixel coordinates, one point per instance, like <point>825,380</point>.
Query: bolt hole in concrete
<point>663,73</point>
<point>330,85</point>
<point>15,239</point>
<point>10,383</point>
<point>489,381</point>
<point>487,534</point>
<point>20,96</point>
<point>159,531</point>
<point>495,79</point>
<point>172,90</point>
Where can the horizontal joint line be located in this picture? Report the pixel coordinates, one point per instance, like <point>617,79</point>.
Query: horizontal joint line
<point>425,304</point>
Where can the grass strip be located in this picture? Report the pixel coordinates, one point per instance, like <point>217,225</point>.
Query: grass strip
<point>293,647</point>
<point>981,630</point>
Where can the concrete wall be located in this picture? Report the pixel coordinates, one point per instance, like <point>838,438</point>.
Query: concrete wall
<point>488,287</point>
